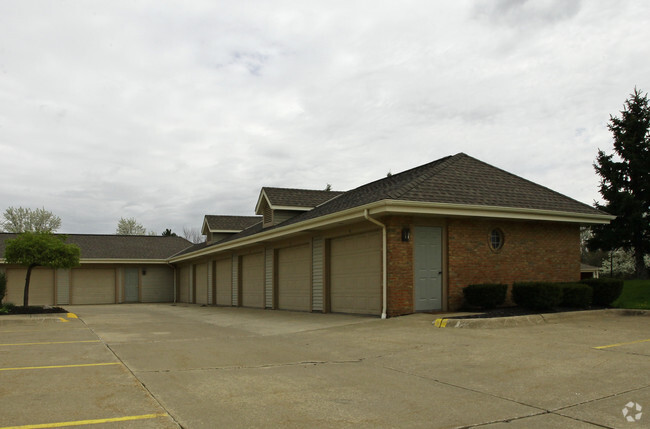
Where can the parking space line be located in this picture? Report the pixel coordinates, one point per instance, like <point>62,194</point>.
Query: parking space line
<point>60,366</point>
<point>51,342</point>
<point>87,422</point>
<point>622,344</point>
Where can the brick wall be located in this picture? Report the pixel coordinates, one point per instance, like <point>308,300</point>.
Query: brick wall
<point>399,267</point>
<point>542,251</point>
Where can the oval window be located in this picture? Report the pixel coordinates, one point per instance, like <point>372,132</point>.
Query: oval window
<point>496,239</point>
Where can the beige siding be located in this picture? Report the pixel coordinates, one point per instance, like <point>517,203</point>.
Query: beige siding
<point>211,298</point>
<point>93,286</point>
<point>184,283</point>
<point>158,284</point>
<point>268,278</point>
<point>201,283</point>
<point>317,275</point>
<point>355,274</point>
<point>62,286</point>
<point>224,282</point>
<point>235,280</point>
<point>41,286</point>
<point>252,281</point>
<point>294,269</point>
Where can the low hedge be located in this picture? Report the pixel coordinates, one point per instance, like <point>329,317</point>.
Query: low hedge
<point>576,295</point>
<point>537,295</point>
<point>605,291</point>
<point>485,295</point>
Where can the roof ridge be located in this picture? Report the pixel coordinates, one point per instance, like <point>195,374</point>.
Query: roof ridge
<point>433,170</point>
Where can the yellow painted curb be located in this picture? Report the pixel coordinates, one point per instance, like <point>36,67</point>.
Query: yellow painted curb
<point>63,320</point>
<point>440,323</point>
<point>72,316</point>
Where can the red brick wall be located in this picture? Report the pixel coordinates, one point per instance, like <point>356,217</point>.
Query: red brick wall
<point>399,267</point>
<point>532,251</point>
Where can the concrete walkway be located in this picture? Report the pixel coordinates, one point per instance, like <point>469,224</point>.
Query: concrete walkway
<point>208,367</point>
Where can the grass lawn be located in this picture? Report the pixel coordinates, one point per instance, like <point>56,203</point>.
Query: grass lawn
<point>636,294</point>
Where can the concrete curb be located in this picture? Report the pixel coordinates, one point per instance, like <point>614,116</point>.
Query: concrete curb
<point>32,319</point>
<point>532,319</point>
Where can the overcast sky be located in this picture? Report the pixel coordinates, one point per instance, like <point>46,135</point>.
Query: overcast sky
<point>169,111</point>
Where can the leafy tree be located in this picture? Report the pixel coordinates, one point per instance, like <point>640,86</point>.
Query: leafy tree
<point>21,219</point>
<point>625,183</point>
<point>40,249</point>
<point>168,233</point>
<point>130,226</point>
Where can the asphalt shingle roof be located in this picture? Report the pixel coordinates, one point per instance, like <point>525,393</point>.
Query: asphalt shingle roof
<point>231,223</point>
<point>298,197</point>
<point>95,246</point>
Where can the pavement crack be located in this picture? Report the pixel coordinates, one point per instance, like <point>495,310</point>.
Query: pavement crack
<point>265,366</point>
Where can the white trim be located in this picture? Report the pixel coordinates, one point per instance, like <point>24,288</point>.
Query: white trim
<point>404,207</point>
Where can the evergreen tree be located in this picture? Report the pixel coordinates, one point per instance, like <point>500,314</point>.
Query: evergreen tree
<point>625,184</point>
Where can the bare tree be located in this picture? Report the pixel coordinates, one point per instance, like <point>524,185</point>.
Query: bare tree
<point>130,226</point>
<point>193,235</point>
<point>21,219</point>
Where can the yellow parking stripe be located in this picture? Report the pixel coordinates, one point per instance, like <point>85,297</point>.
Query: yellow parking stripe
<point>86,422</point>
<point>63,320</point>
<point>622,344</point>
<point>60,366</point>
<point>51,342</point>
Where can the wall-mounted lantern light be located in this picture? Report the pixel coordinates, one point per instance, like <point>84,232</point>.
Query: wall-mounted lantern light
<point>406,234</point>
<point>144,272</point>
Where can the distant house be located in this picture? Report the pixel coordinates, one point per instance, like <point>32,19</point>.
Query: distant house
<point>114,269</point>
<point>408,242</point>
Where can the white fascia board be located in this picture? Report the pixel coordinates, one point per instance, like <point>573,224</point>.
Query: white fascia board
<point>294,208</point>
<point>408,208</point>
<point>442,209</point>
<point>259,202</point>
<point>205,227</point>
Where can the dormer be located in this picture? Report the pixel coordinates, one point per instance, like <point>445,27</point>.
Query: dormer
<point>276,205</point>
<point>217,228</point>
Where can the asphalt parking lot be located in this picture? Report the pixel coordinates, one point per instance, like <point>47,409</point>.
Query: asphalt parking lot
<point>164,366</point>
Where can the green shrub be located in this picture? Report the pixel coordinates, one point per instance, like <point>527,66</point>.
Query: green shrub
<point>486,295</point>
<point>537,295</point>
<point>576,295</point>
<point>605,291</point>
<point>3,286</point>
<point>6,308</point>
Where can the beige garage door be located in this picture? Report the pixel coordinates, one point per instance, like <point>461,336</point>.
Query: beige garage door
<point>201,282</point>
<point>184,284</point>
<point>93,286</point>
<point>252,280</point>
<point>294,273</point>
<point>355,274</point>
<point>224,282</point>
<point>41,286</point>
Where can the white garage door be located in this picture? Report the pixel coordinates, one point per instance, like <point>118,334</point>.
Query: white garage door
<point>184,284</point>
<point>294,273</point>
<point>355,274</point>
<point>224,282</point>
<point>93,286</point>
<point>41,286</point>
<point>252,281</point>
<point>201,282</point>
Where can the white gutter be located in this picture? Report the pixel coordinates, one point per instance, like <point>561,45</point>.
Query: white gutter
<point>401,207</point>
<point>384,257</point>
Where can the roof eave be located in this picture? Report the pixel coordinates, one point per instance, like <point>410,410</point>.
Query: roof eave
<point>115,261</point>
<point>465,210</point>
<point>403,207</point>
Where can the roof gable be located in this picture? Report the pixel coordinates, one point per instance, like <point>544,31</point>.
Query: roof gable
<point>292,199</point>
<point>227,223</point>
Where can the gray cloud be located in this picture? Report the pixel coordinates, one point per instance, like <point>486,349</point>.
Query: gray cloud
<point>167,112</point>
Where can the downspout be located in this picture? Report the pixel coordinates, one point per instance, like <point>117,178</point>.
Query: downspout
<point>173,268</point>
<point>384,258</point>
